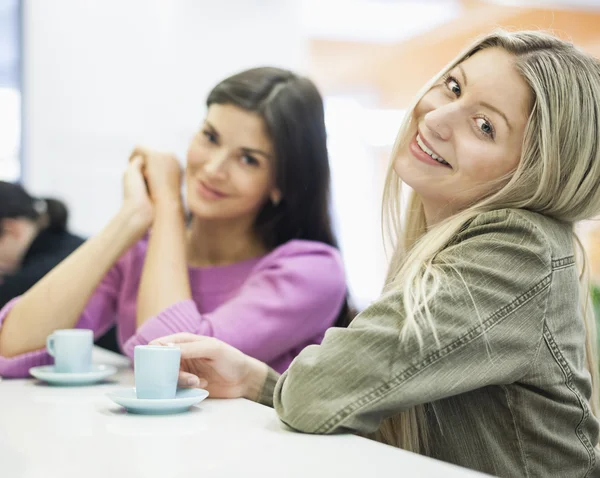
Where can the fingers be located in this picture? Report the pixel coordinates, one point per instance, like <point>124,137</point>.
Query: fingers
<point>193,346</point>
<point>176,339</point>
<point>146,154</point>
<point>206,348</point>
<point>139,151</point>
<point>189,380</point>
<point>135,169</point>
<point>136,162</point>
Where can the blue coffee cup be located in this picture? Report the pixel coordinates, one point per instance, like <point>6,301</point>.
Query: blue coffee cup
<point>71,349</point>
<point>156,370</point>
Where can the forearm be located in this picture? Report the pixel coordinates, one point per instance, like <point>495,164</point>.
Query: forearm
<point>57,300</point>
<point>165,277</point>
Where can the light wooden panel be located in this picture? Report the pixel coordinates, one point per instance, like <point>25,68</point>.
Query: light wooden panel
<point>395,72</point>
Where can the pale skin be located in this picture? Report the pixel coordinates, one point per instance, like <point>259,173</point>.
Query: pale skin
<point>54,303</point>
<point>164,277</point>
<point>475,120</point>
<point>477,126</point>
<point>16,237</point>
<point>233,158</point>
<point>221,369</point>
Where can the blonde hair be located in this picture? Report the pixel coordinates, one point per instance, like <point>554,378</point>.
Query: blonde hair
<point>558,176</point>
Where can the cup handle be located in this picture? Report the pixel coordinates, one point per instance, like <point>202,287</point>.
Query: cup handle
<point>50,345</point>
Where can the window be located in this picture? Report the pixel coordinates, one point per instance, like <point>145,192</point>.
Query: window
<point>10,90</point>
<point>360,139</point>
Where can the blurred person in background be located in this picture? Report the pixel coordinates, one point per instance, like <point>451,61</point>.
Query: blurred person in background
<point>33,240</point>
<point>481,351</point>
<point>256,265</point>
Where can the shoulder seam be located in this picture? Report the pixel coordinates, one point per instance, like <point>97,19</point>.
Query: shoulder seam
<point>563,262</point>
<point>519,214</point>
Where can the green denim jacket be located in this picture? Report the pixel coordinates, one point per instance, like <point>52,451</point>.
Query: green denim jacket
<point>506,389</point>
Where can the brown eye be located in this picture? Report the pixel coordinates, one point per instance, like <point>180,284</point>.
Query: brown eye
<point>209,136</point>
<point>249,160</point>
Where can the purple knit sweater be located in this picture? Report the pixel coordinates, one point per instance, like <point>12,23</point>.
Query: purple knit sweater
<point>269,307</point>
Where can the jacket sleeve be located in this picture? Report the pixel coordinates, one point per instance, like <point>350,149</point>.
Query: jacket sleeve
<point>488,316</point>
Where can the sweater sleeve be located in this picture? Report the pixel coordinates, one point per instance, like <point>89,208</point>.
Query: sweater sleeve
<point>284,303</point>
<point>98,315</point>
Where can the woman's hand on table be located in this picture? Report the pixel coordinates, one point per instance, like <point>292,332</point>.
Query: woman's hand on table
<point>221,369</point>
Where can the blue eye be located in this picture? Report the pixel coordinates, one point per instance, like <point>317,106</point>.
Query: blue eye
<point>484,126</point>
<point>453,85</point>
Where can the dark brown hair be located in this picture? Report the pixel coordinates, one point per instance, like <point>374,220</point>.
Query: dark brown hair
<point>15,202</point>
<point>292,110</point>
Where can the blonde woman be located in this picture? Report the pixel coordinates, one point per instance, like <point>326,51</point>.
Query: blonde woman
<point>480,350</point>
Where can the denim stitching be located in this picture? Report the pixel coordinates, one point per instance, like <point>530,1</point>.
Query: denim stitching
<point>435,356</point>
<point>563,262</point>
<point>564,366</point>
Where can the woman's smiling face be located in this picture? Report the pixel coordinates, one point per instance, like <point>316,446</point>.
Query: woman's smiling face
<point>469,133</point>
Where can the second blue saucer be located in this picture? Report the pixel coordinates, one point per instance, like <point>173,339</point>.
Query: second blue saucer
<point>184,399</point>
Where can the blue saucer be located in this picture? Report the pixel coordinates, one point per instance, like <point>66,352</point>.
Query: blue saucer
<point>184,399</point>
<point>95,374</point>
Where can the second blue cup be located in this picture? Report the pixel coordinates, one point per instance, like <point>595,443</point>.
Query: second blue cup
<point>156,370</point>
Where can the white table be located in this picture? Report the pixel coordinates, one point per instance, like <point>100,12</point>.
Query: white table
<point>64,432</point>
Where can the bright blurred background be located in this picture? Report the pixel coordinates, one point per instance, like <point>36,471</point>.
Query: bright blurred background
<point>82,82</point>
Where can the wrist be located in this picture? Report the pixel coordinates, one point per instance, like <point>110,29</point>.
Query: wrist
<point>169,202</point>
<point>134,221</point>
<point>169,208</point>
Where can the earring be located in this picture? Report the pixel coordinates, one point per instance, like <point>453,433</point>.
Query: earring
<point>275,201</point>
